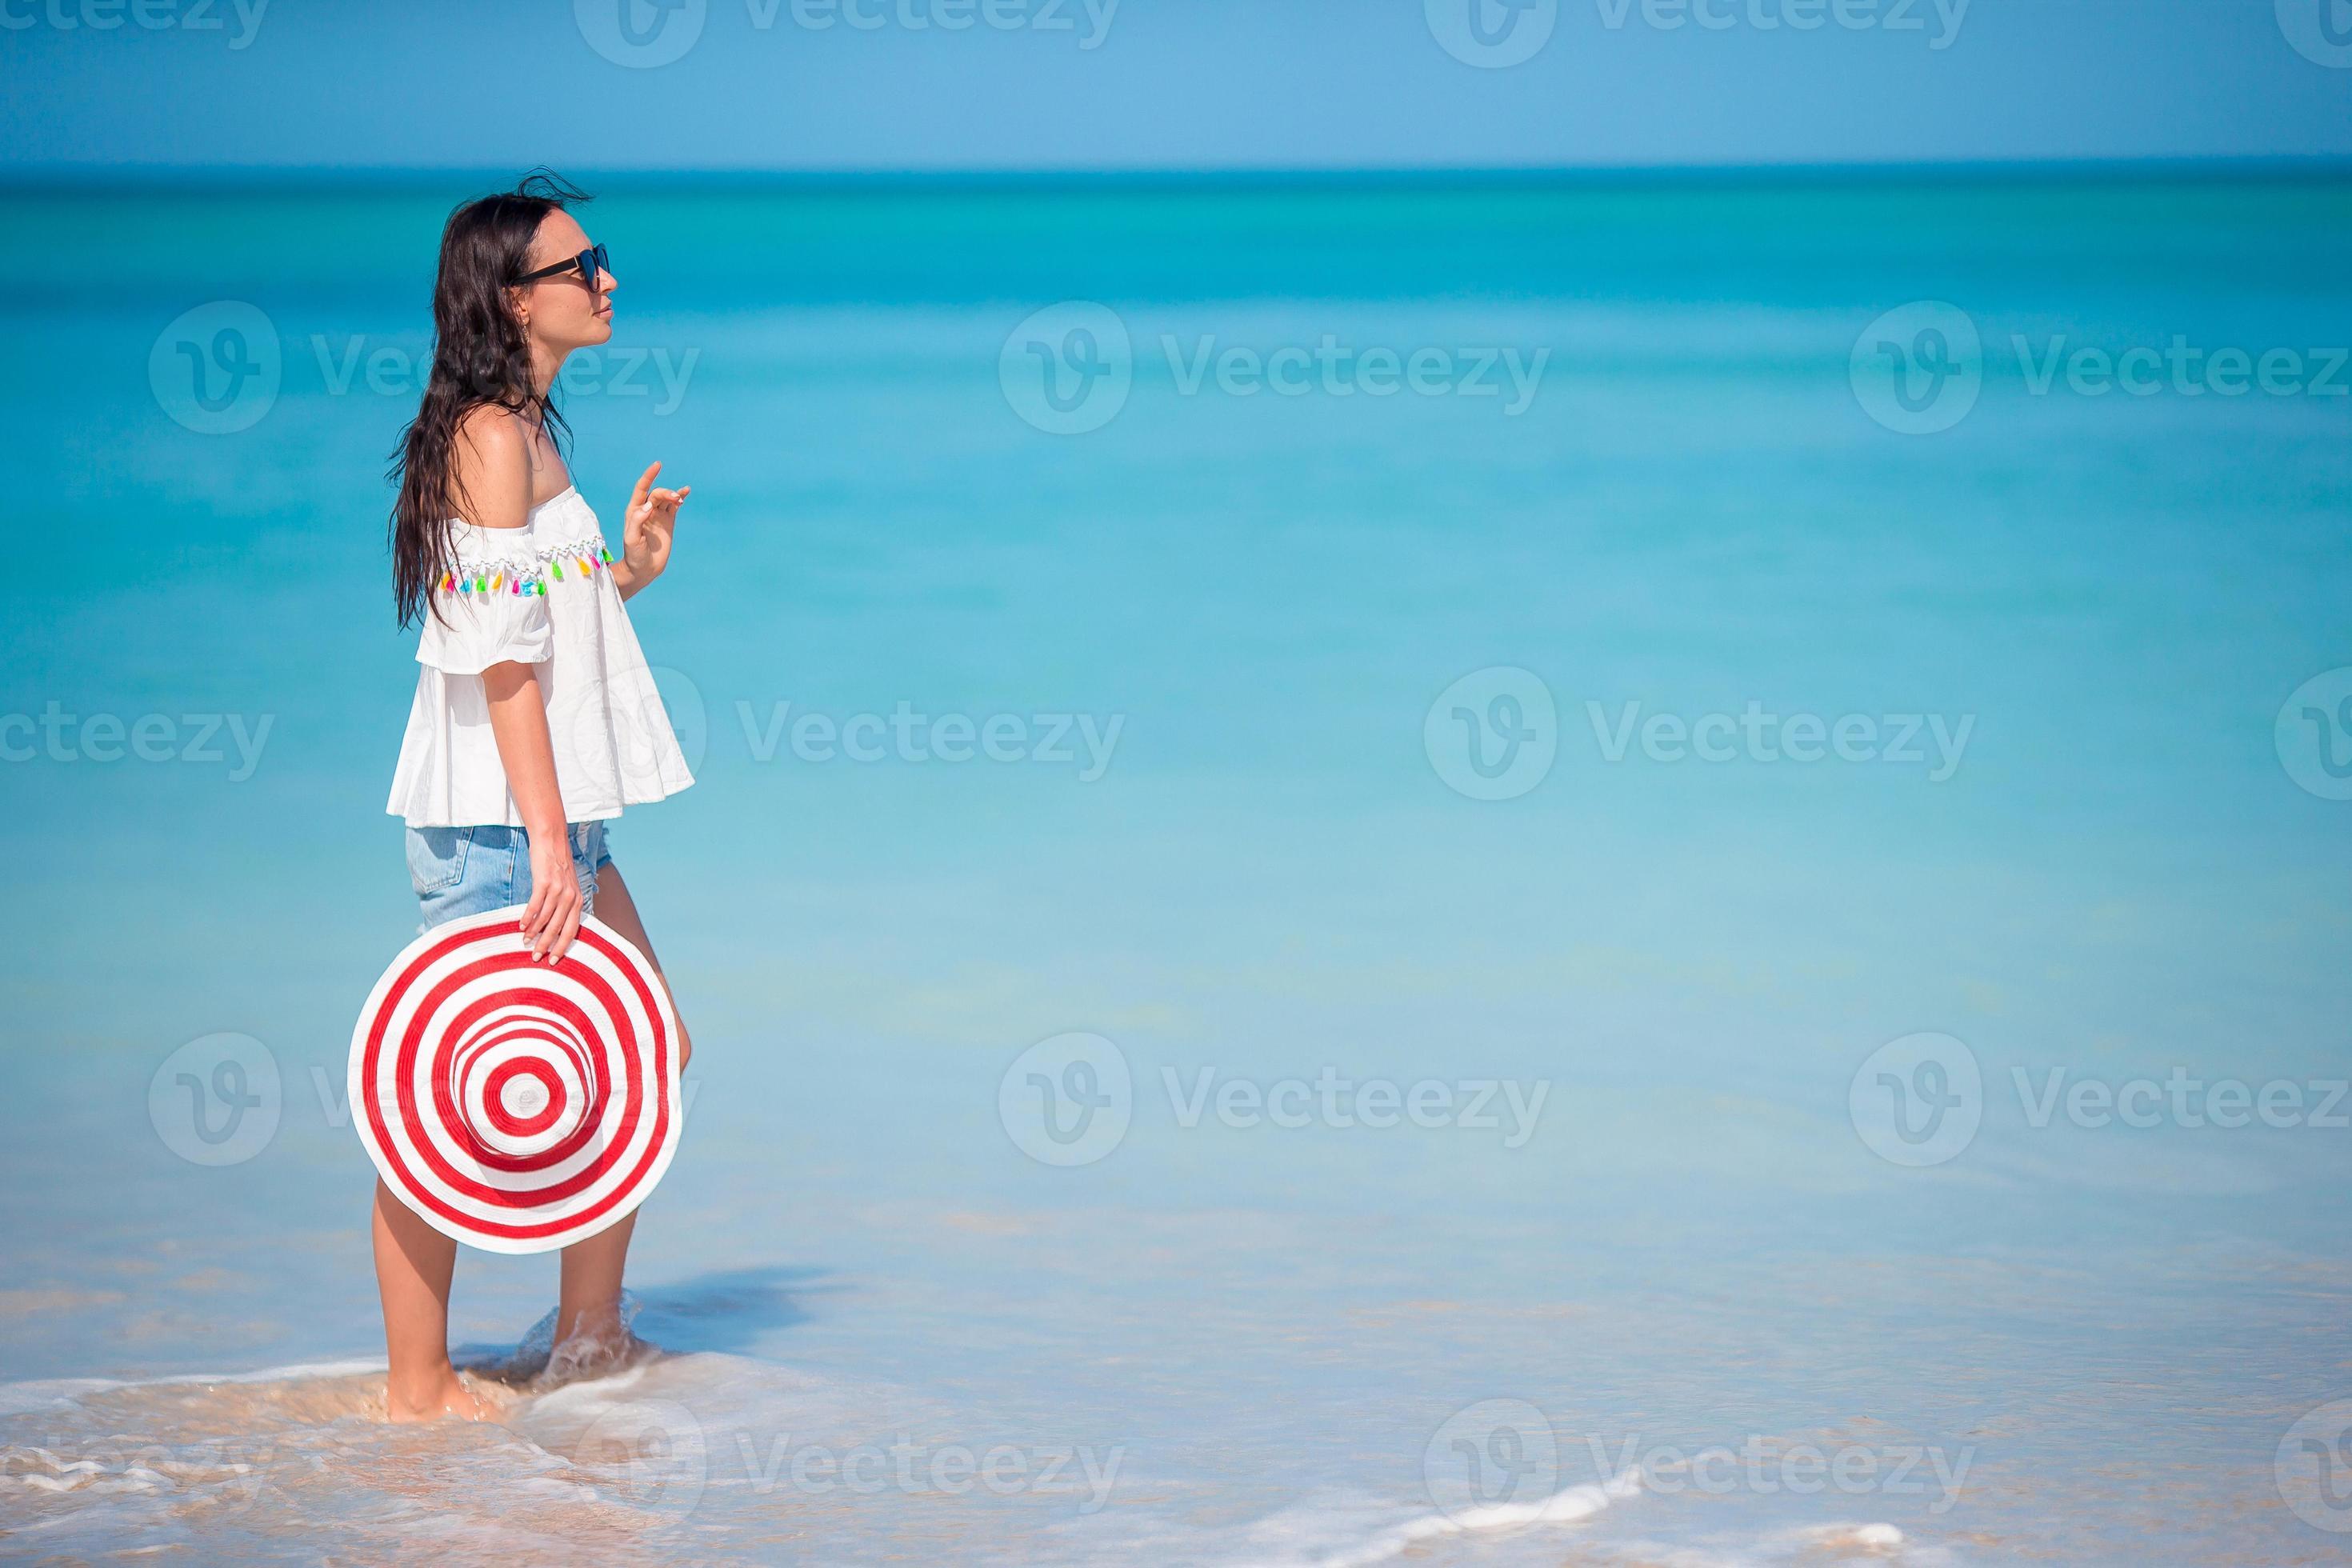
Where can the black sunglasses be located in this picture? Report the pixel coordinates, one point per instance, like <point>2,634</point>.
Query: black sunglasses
<point>590,264</point>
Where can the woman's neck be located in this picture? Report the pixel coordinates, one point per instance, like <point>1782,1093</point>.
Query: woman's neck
<point>545,362</point>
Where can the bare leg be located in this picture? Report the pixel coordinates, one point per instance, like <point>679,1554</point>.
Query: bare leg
<point>617,909</point>
<point>413,1265</point>
<point>589,1303</point>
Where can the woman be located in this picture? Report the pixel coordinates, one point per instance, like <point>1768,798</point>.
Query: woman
<point>536,719</point>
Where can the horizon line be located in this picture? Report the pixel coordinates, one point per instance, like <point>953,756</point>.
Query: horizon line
<point>128,178</point>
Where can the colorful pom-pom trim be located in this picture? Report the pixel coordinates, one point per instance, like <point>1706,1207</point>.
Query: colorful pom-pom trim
<point>522,577</point>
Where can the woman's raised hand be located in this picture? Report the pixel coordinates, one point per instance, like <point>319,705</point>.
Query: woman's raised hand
<point>649,526</point>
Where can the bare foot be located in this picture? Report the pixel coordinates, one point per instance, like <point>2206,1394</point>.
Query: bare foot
<point>587,1352</point>
<point>457,1397</point>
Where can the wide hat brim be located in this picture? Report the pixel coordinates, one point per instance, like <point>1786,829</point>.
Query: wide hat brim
<point>518,1106</point>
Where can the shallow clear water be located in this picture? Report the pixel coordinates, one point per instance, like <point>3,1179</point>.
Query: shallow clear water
<point>2069,1338</point>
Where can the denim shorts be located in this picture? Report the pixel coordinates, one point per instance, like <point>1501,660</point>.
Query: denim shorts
<point>460,872</point>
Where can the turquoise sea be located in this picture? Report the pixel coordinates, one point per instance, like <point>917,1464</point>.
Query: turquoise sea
<point>1507,872</point>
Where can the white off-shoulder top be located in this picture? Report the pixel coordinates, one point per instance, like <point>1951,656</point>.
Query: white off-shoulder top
<point>543,594</point>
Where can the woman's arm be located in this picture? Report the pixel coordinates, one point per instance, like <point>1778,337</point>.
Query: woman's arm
<point>493,482</point>
<point>647,529</point>
<point>518,724</point>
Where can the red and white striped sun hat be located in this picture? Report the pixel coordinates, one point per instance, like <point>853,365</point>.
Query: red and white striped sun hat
<point>519,1107</point>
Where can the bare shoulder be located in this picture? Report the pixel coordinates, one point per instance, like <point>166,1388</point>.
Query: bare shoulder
<point>490,468</point>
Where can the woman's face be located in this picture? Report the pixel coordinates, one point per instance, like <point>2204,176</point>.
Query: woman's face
<point>563,312</point>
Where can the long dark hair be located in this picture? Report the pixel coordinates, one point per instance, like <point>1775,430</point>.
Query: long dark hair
<point>480,355</point>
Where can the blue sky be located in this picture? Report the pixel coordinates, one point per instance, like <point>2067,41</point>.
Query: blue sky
<point>881,85</point>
